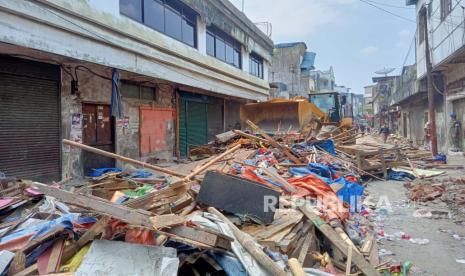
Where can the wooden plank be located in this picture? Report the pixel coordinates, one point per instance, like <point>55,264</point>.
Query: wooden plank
<point>206,236</point>
<point>305,247</point>
<point>250,245</point>
<point>277,226</point>
<point>334,238</point>
<point>122,213</point>
<point>211,162</point>
<point>349,261</point>
<point>168,220</point>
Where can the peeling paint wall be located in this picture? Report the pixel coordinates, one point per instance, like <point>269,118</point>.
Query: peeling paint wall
<point>95,89</point>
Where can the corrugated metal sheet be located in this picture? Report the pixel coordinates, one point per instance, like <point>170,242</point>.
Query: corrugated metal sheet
<point>153,128</point>
<point>197,127</point>
<point>29,120</point>
<point>193,122</point>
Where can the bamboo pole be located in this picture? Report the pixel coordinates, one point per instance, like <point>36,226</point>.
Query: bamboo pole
<point>211,162</point>
<point>250,136</point>
<point>121,158</point>
<point>295,267</point>
<point>250,245</point>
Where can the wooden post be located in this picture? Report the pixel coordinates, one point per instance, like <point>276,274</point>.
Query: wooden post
<point>251,246</point>
<point>121,158</point>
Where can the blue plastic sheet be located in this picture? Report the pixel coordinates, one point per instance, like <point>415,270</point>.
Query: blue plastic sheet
<point>102,171</point>
<point>399,176</point>
<point>326,145</point>
<point>350,192</point>
<point>140,174</point>
<point>325,172</point>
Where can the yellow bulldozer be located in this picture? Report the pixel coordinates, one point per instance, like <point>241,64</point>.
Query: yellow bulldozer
<point>297,114</point>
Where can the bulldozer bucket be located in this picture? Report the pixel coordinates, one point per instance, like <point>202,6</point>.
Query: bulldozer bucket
<point>280,115</point>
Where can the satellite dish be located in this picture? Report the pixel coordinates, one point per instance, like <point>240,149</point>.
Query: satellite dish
<point>385,71</point>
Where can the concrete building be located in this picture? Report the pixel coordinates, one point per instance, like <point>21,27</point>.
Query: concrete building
<point>445,21</point>
<point>368,96</point>
<point>291,68</point>
<point>185,67</point>
<point>325,81</point>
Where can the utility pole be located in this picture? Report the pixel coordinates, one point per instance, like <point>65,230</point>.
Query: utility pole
<point>429,77</point>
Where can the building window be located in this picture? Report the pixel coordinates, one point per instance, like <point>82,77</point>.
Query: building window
<point>223,47</point>
<point>446,8</point>
<point>131,8</point>
<point>256,65</point>
<point>139,92</point>
<point>170,17</point>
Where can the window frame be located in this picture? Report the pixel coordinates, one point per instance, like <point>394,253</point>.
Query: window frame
<point>140,87</point>
<point>188,16</point>
<point>227,40</point>
<point>254,58</point>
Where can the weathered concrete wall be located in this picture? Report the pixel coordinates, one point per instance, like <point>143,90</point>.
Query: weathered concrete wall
<point>80,30</point>
<point>286,69</point>
<point>95,89</point>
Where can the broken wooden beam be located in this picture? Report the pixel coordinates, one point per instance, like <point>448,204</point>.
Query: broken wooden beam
<point>122,158</point>
<point>123,213</point>
<point>251,246</point>
<point>336,240</point>
<point>211,162</point>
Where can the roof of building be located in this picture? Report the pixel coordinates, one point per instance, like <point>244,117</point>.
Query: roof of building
<point>289,45</point>
<point>308,62</point>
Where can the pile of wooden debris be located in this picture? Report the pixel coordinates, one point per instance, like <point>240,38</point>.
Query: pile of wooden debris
<point>256,205</point>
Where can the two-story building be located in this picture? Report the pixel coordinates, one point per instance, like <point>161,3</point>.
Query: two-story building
<point>442,22</point>
<point>179,70</point>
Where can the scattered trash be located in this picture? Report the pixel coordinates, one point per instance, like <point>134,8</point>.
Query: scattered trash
<point>419,241</point>
<point>460,261</point>
<point>422,213</point>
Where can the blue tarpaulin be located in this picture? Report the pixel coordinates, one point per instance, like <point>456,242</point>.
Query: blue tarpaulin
<point>102,171</point>
<point>399,176</point>
<point>326,145</point>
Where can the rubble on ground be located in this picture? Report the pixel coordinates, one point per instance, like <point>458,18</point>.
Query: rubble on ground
<point>159,224</point>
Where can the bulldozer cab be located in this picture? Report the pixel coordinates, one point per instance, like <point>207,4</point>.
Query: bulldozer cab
<point>330,103</point>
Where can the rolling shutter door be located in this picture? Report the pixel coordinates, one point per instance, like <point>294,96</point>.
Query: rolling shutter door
<point>193,122</point>
<point>197,128</point>
<point>30,120</point>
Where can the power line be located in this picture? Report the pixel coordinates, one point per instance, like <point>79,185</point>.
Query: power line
<point>387,11</point>
<point>390,5</point>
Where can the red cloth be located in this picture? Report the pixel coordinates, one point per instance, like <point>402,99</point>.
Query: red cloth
<point>133,235</point>
<point>313,187</point>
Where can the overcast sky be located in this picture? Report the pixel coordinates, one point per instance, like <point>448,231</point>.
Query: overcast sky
<point>354,37</point>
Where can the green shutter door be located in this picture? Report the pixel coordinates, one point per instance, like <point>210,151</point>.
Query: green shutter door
<point>197,127</point>
<point>182,127</point>
<point>193,124</point>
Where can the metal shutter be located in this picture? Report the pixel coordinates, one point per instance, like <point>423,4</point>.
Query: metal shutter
<point>29,120</point>
<point>193,122</point>
<point>197,127</point>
